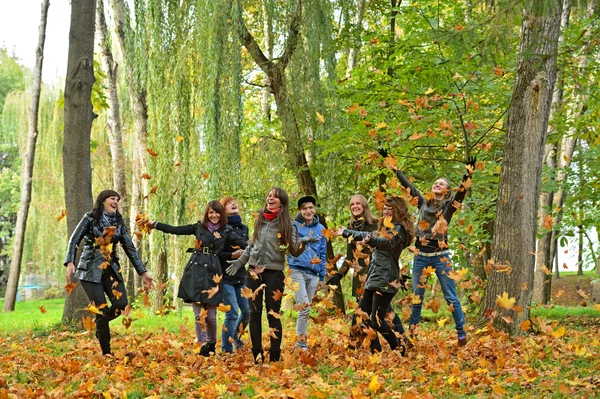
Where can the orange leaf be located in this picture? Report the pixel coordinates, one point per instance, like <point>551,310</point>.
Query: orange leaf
<point>151,152</point>
<point>146,176</point>
<point>548,222</point>
<point>275,314</point>
<point>117,294</point>
<point>223,308</point>
<point>88,323</point>
<point>153,190</point>
<point>327,233</point>
<point>211,292</point>
<point>315,260</point>
<point>379,199</point>
<point>62,215</point>
<point>423,224</point>
<point>197,244</point>
<point>217,278</point>
<point>525,325</point>
<point>69,288</point>
<point>391,162</point>
<point>43,309</point>
<point>277,294</point>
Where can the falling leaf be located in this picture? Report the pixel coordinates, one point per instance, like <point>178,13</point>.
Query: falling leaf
<point>88,323</point>
<point>544,269</point>
<point>153,190</point>
<point>274,314</point>
<point>391,162</point>
<point>320,117</point>
<point>423,225</point>
<point>387,222</point>
<point>374,40</point>
<point>582,294</point>
<point>211,292</point>
<point>152,152</point>
<point>146,176</point>
<point>62,215</point>
<point>498,71</point>
<point>224,308</point>
<point>117,294</point>
<point>523,286</point>
<point>525,325</point>
<point>217,278</point>
<point>277,294</point>
<point>505,302</point>
<point>197,244</point>
<point>43,309</point>
<point>93,309</point>
<point>179,138</point>
<point>315,260</point>
<point>69,288</point>
<point>327,233</point>
<point>559,294</point>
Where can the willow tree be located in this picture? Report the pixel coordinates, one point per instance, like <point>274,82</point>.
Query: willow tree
<point>518,194</point>
<point>27,174</point>
<point>78,123</point>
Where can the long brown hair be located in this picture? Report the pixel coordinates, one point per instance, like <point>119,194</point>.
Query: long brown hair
<point>216,206</point>
<point>400,214</point>
<point>367,215</point>
<point>284,220</point>
<point>99,203</point>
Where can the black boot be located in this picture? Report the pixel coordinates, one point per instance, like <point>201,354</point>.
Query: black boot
<point>274,356</point>
<point>258,355</point>
<point>104,339</point>
<point>207,348</point>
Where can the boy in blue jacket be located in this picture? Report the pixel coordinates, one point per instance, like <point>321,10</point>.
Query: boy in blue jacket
<point>308,269</point>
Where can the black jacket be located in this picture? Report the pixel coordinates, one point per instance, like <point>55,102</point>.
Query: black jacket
<point>385,267</point>
<point>88,268</point>
<point>240,277</point>
<point>204,264</point>
<point>350,258</point>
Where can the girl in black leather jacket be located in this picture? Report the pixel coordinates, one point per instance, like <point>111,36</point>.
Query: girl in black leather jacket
<point>98,268</point>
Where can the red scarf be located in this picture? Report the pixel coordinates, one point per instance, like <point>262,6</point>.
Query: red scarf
<point>270,215</point>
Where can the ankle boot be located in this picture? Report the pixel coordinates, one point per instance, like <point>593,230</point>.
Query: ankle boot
<point>207,348</point>
<point>104,339</point>
<point>258,355</point>
<point>274,356</point>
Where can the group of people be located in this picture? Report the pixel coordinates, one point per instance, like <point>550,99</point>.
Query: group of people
<point>216,271</point>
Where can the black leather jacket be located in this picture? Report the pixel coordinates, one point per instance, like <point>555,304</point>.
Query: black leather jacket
<point>88,268</point>
<point>385,266</point>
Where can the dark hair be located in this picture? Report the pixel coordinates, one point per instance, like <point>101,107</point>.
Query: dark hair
<point>367,215</point>
<point>99,203</point>
<point>307,199</point>
<point>284,220</point>
<point>215,206</point>
<point>400,214</point>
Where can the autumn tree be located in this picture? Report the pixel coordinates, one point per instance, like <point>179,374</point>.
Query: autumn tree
<point>78,122</point>
<point>510,275</point>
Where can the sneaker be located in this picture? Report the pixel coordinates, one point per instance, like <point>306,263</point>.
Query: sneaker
<point>462,341</point>
<point>301,345</point>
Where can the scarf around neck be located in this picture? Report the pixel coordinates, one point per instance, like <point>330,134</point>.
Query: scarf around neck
<point>108,219</point>
<point>212,227</point>
<point>270,215</point>
<point>234,220</point>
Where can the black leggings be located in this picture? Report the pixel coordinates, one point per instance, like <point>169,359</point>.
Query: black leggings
<point>274,280</point>
<point>376,305</point>
<point>96,293</point>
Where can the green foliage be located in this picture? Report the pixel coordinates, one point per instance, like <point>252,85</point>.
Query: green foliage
<point>12,75</point>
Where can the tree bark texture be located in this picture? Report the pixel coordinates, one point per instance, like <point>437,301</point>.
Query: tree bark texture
<point>356,30</point>
<point>78,123</point>
<point>275,71</point>
<point>518,192</point>
<point>27,173</point>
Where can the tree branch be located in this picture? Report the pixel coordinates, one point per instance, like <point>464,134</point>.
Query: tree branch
<point>252,46</point>
<point>293,35</point>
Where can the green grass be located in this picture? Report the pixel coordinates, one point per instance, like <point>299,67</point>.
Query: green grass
<point>28,317</point>
<point>562,312</point>
<point>586,274</point>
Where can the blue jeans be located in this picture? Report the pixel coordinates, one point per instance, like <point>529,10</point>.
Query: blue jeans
<point>307,286</point>
<point>236,318</point>
<point>442,268</point>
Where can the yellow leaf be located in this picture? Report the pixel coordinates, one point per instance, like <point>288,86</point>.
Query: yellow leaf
<point>253,140</point>
<point>224,308</point>
<point>559,332</point>
<point>93,309</point>
<point>498,390</point>
<point>179,138</point>
<point>387,222</point>
<point>381,125</point>
<point>320,118</point>
<point>429,91</point>
<point>505,302</point>
<point>597,307</point>
<point>62,215</point>
<point>374,385</point>
<point>442,321</point>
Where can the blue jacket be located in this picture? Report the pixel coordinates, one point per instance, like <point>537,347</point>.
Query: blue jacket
<point>312,250</point>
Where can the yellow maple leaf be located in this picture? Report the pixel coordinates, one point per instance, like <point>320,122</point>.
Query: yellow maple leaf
<point>597,307</point>
<point>387,222</point>
<point>93,309</point>
<point>505,302</point>
<point>374,385</point>
<point>559,332</point>
<point>320,117</point>
<point>525,325</point>
<point>224,308</point>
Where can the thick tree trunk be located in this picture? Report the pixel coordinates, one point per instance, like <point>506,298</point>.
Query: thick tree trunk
<point>27,173</point>
<point>268,45</point>
<point>518,196</point>
<point>78,123</point>
<point>161,275</point>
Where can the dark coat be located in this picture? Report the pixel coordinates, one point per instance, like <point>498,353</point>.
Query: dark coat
<point>240,277</point>
<point>88,268</point>
<point>204,264</point>
<point>385,266</point>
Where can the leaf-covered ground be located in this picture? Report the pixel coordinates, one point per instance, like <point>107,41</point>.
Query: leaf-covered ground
<point>559,360</point>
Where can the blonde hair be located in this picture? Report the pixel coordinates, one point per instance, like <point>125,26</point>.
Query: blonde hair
<point>367,215</point>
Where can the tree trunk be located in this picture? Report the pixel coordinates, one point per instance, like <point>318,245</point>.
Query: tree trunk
<point>161,275</point>
<point>543,261</point>
<point>268,43</point>
<point>518,192</point>
<point>114,114</point>
<point>275,71</point>
<point>27,176</point>
<point>356,31</point>
<point>78,123</point>
<point>137,93</point>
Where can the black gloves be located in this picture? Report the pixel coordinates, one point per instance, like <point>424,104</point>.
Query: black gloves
<point>383,152</point>
<point>472,162</point>
<point>335,280</point>
<point>307,239</point>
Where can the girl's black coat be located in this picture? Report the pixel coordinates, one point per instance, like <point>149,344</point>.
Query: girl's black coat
<point>88,268</point>
<point>204,265</point>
